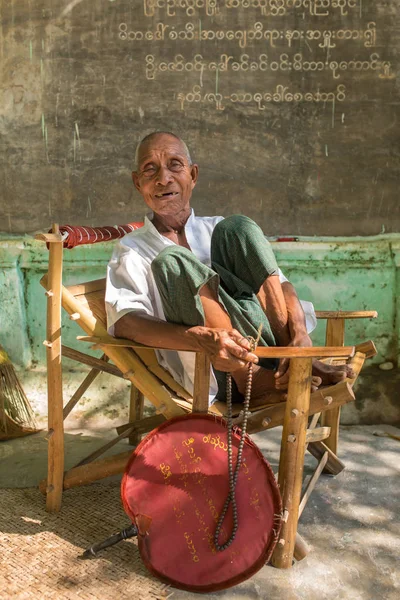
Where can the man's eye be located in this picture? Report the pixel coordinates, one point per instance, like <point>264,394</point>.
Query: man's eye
<point>175,164</point>
<point>148,170</point>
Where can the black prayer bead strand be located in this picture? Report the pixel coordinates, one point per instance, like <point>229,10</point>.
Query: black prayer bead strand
<point>233,477</point>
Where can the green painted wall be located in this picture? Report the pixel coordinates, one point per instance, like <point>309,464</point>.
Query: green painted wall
<point>335,274</point>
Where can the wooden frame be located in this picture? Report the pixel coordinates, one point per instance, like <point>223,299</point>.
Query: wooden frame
<point>139,365</point>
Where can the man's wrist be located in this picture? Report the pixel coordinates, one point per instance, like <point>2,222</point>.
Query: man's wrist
<point>301,338</point>
<point>195,335</point>
<point>297,328</point>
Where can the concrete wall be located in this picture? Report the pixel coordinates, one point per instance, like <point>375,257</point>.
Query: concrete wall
<point>335,274</point>
<point>290,107</point>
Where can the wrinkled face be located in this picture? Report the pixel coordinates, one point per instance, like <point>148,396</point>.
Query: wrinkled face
<point>164,176</point>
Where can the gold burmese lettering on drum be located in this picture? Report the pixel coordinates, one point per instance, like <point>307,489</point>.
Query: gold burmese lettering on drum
<point>189,470</point>
<point>196,500</point>
<point>271,38</point>
<point>267,8</point>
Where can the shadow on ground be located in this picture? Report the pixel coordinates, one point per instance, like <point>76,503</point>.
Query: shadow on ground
<point>349,522</point>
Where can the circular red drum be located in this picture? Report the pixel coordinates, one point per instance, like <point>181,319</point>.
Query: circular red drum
<point>174,489</point>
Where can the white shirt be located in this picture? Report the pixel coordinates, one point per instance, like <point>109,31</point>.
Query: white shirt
<point>131,286</point>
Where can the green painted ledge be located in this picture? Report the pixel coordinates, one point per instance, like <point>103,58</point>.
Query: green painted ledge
<point>334,273</point>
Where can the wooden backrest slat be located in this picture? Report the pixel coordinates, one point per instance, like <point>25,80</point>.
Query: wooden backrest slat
<point>87,287</point>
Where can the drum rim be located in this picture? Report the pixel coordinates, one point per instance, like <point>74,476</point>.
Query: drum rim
<point>264,557</point>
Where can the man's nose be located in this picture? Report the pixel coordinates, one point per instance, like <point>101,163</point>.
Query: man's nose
<point>164,176</point>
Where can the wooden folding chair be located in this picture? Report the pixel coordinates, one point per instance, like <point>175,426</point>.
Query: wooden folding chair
<point>137,363</point>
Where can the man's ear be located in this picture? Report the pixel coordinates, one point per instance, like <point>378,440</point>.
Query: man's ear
<point>135,179</point>
<point>194,171</point>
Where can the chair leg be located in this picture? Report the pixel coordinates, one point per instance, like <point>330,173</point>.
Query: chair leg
<point>55,461</point>
<point>301,548</point>
<point>136,406</point>
<point>331,418</point>
<point>201,383</point>
<point>292,457</point>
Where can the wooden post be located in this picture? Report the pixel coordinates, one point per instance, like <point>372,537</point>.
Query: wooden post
<point>55,468</point>
<point>112,465</point>
<point>201,383</point>
<point>136,406</point>
<point>331,418</point>
<point>292,457</point>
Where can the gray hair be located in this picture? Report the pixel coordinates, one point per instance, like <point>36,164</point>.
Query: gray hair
<point>153,134</point>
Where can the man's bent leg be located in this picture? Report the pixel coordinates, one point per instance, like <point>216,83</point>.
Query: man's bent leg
<point>189,293</point>
<point>245,261</point>
<point>263,383</point>
<point>179,277</point>
<point>246,264</point>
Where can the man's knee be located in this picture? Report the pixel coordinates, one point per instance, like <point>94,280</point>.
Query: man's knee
<point>169,261</point>
<point>239,227</point>
<point>239,248</point>
<point>179,276</point>
<point>234,223</point>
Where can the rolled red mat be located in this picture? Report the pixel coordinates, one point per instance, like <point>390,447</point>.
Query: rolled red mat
<point>77,235</point>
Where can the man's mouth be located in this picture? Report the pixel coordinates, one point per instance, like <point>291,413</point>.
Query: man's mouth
<point>166,195</point>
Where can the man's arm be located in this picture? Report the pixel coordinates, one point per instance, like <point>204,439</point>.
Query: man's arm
<point>296,317</point>
<point>227,349</point>
<point>297,330</point>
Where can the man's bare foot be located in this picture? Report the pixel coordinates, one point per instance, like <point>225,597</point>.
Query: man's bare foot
<point>265,388</point>
<point>283,382</point>
<point>331,374</point>
<point>263,382</point>
<point>273,397</point>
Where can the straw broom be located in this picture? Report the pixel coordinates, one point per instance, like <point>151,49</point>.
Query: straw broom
<point>16,415</point>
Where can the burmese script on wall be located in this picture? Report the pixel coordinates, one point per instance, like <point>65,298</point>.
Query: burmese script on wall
<point>290,108</point>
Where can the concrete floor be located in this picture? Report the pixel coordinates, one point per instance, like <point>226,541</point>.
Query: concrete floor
<point>349,522</point>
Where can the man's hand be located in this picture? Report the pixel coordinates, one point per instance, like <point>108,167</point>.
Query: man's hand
<point>228,349</point>
<point>282,373</point>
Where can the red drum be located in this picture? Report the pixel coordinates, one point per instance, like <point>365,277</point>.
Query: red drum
<point>174,489</point>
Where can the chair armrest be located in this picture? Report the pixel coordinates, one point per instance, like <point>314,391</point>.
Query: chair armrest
<point>309,352</point>
<point>109,340</point>
<point>49,237</point>
<point>346,314</point>
<point>262,351</point>
<point>367,348</point>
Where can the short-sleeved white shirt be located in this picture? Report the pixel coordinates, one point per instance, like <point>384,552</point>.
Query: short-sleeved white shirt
<point>131,286</point>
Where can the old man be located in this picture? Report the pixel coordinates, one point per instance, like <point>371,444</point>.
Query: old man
<point>185,283</point>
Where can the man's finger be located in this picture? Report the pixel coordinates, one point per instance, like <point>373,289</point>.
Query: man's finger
<point>282,381</point>
<point>227,365</point>
<point>282,368</point>
<point>237,337</point>
<point>242,353</point>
